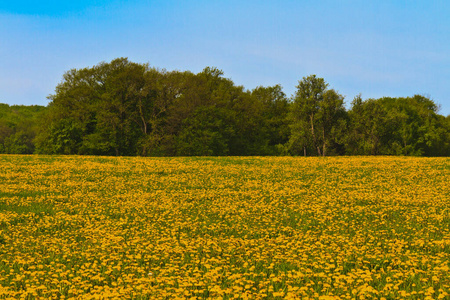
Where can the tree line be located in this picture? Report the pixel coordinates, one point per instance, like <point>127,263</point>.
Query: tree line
<point>127,108</point>
<point>18,128</point>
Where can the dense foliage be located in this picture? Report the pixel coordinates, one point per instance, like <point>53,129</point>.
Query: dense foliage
<point>126,108</point>
<point>18,128</point>
<point>83,227</point>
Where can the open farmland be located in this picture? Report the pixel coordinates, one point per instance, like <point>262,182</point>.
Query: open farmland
<point>256,227</point>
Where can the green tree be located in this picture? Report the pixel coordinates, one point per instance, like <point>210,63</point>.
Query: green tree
<point>331,115</point>
<point>18,128</point>
<point>96,110</point>
<point>71,114</point>
<point>272,107</point>
<point>395,126</point>
<point>371,127</point>
<point>122,97</point>
<point>197,94</point>
<point>206,132</point>
<point>306,106</point>
<point>160,90</point>
<point>315,113</point>
<point>5,132</point>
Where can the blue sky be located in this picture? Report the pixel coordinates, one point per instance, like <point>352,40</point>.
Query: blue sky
<point>376,48</point>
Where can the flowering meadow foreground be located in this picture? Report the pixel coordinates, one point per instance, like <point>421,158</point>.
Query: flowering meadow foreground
<point>243,227</point>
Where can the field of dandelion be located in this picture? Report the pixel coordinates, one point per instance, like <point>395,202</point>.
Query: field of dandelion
<point>225,228</point>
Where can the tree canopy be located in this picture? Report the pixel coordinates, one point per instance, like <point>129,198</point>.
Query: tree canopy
<point>127,108</point>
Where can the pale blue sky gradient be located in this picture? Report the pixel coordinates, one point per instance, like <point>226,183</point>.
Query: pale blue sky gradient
<point>376,48</point>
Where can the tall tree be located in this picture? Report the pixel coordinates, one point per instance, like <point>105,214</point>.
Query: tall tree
<point>93,110</point>
<point>395,126</point>
<point>331,112</point>
<point>71,114</point>
<point>273,108</point>
<point>160,91</point>
<point>315,111</point>
<point>307,101</point>
<point>119,106</point>
<point>370,124</point>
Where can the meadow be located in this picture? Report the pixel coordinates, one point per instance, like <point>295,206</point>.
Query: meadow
<point>224,228</point>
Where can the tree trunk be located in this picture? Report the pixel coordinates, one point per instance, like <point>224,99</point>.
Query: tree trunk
<point>324,143</point>
<point>144,125</point>
<point>304,150</point>
<point>311,117</point>
<point>141,114</point>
